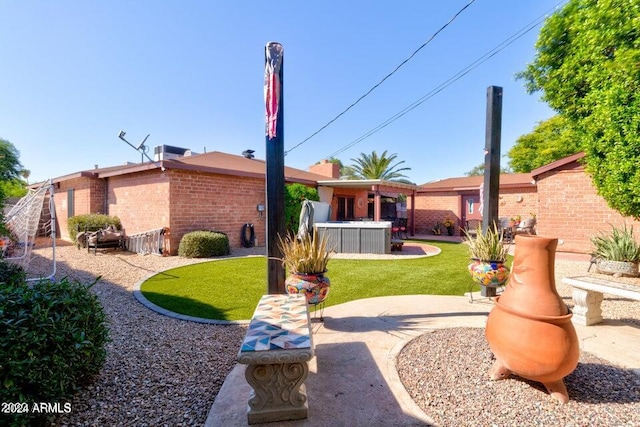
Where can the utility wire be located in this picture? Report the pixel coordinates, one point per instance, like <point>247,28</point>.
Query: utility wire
<point>475,64</point>
<point>381,81</point>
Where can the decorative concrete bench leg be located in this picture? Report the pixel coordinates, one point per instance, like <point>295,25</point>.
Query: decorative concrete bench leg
<point>587,310</point>
<point>279,393</point>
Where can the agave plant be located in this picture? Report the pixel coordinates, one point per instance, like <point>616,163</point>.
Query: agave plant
<point>487,246</point>
<point>619,245</point>
<point>307,255</point>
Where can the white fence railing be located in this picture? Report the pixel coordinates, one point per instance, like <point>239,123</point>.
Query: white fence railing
<point>148,242</point>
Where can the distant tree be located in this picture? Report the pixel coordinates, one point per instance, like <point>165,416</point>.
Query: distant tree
<point>372,166</point>
<point>13,188</point>
<point>549,141</point>
<point>479,170</point>
<point>586,67</point>
<point>10,167</point>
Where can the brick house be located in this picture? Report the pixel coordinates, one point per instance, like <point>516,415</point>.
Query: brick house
<point>569,207</point>
<point>211,191</point>
<point>560,194</point>
<point>459,199</point>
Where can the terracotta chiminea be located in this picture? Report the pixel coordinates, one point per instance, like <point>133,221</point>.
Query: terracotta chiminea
<point>529,330</point>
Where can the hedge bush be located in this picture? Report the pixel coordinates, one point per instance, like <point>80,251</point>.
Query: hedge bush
<point>53,342</point>
<point>204,244</point>
<point>12,274</point>
<point>91,222</point>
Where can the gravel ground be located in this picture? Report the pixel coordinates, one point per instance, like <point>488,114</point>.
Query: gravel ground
<point>452,386</point>
<point>166,372</point>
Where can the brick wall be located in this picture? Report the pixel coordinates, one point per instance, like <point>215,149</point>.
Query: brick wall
<point>140,200</point>
<point>326,168</point>
<point>571,210</point>
<point>360,208</point>
<point>434,207</point>
<point>88,198</point>
<point>215,202</point>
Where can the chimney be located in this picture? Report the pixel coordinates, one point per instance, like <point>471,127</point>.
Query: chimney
<point>326,168</point>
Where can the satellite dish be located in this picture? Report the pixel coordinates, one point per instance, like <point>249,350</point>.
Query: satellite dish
<point>142,143</point>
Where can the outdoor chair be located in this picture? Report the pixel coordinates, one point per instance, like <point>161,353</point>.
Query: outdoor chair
<point>471,226</point>
<point>527,226</point>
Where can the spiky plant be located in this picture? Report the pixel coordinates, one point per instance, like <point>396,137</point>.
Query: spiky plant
<point>307,255</point>
<point>487,246</point>
<point>619,245</point>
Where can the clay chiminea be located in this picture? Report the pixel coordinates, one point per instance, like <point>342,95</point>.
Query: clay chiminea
<point>529,330</point>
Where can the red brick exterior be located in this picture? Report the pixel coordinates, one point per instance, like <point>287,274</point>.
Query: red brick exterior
<point>180,200</point>
<point>571,210</point>
<point>326,168</point>
<point>434,207</point>
<point>89,197</point>
<point>360,208</point>
<point>215,202</point>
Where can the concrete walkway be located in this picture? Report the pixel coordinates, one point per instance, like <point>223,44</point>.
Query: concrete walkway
<point>353,379</point>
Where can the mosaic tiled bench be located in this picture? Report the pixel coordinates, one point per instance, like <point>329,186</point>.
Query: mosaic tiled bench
<point>587,296</point>
<point>276,349</point>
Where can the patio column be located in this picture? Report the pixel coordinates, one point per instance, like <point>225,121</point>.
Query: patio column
<point>412,215</point>
<point>377,202</point>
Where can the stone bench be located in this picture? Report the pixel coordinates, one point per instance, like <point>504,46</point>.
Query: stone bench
<point>276,348</point>
<point>588,294</point>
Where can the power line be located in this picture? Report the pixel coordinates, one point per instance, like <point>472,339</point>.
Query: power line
<point>382,81</point>
<point>475,64</point>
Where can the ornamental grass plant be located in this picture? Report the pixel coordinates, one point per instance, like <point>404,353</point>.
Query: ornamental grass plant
<point>487,246</point>
<point>307,255</point>
<point>618,245</point>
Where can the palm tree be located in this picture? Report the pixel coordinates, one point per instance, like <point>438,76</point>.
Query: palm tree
<point>370,166</point>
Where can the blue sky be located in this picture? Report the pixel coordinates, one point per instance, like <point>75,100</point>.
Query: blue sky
<point>190,73</point>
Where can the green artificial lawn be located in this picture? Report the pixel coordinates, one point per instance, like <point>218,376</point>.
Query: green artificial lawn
<point>229,289</point>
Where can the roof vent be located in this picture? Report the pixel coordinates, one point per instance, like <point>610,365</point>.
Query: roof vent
<point>248,154</point>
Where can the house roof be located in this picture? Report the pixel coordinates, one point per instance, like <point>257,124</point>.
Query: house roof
<point>507,180</point>
<point>365,183</point>
<point>557,164</point>
<point>212,162</point>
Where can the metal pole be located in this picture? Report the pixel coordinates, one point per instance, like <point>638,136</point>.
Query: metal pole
<point>492,157</point>
<point>491,188</point>
<point>275,164</point>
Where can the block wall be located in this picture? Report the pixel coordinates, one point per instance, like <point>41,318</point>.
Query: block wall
<point>571,210</point>
<point>89,197</point>
<point>215,202</point>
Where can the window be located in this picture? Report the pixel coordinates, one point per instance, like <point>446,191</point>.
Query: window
<point>470,206</point>
<point>71,208</point>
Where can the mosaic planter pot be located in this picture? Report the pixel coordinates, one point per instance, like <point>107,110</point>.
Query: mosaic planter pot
<point>314,286</point>
<point>488,273</point>
<point>621,268</point>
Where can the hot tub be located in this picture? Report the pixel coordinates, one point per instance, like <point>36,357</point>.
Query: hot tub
<point>359,237</point>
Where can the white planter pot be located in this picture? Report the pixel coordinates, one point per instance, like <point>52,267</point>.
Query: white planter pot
<point>618,268</point>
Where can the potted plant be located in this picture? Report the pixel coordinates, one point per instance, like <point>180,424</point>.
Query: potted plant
<point>617,252</point>
<point>436,229</point>
<point>488,256</point>
<point>306,259</point>
<point>449,225</point>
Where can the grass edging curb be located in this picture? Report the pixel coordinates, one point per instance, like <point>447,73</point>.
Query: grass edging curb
<point>137,293</point>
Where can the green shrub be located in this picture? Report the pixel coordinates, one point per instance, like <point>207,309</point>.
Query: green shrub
<point>12,274</point>
<point>294,195</point>
<point>53,341</point>
<point>91,222</point>
<point>204,244</point>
